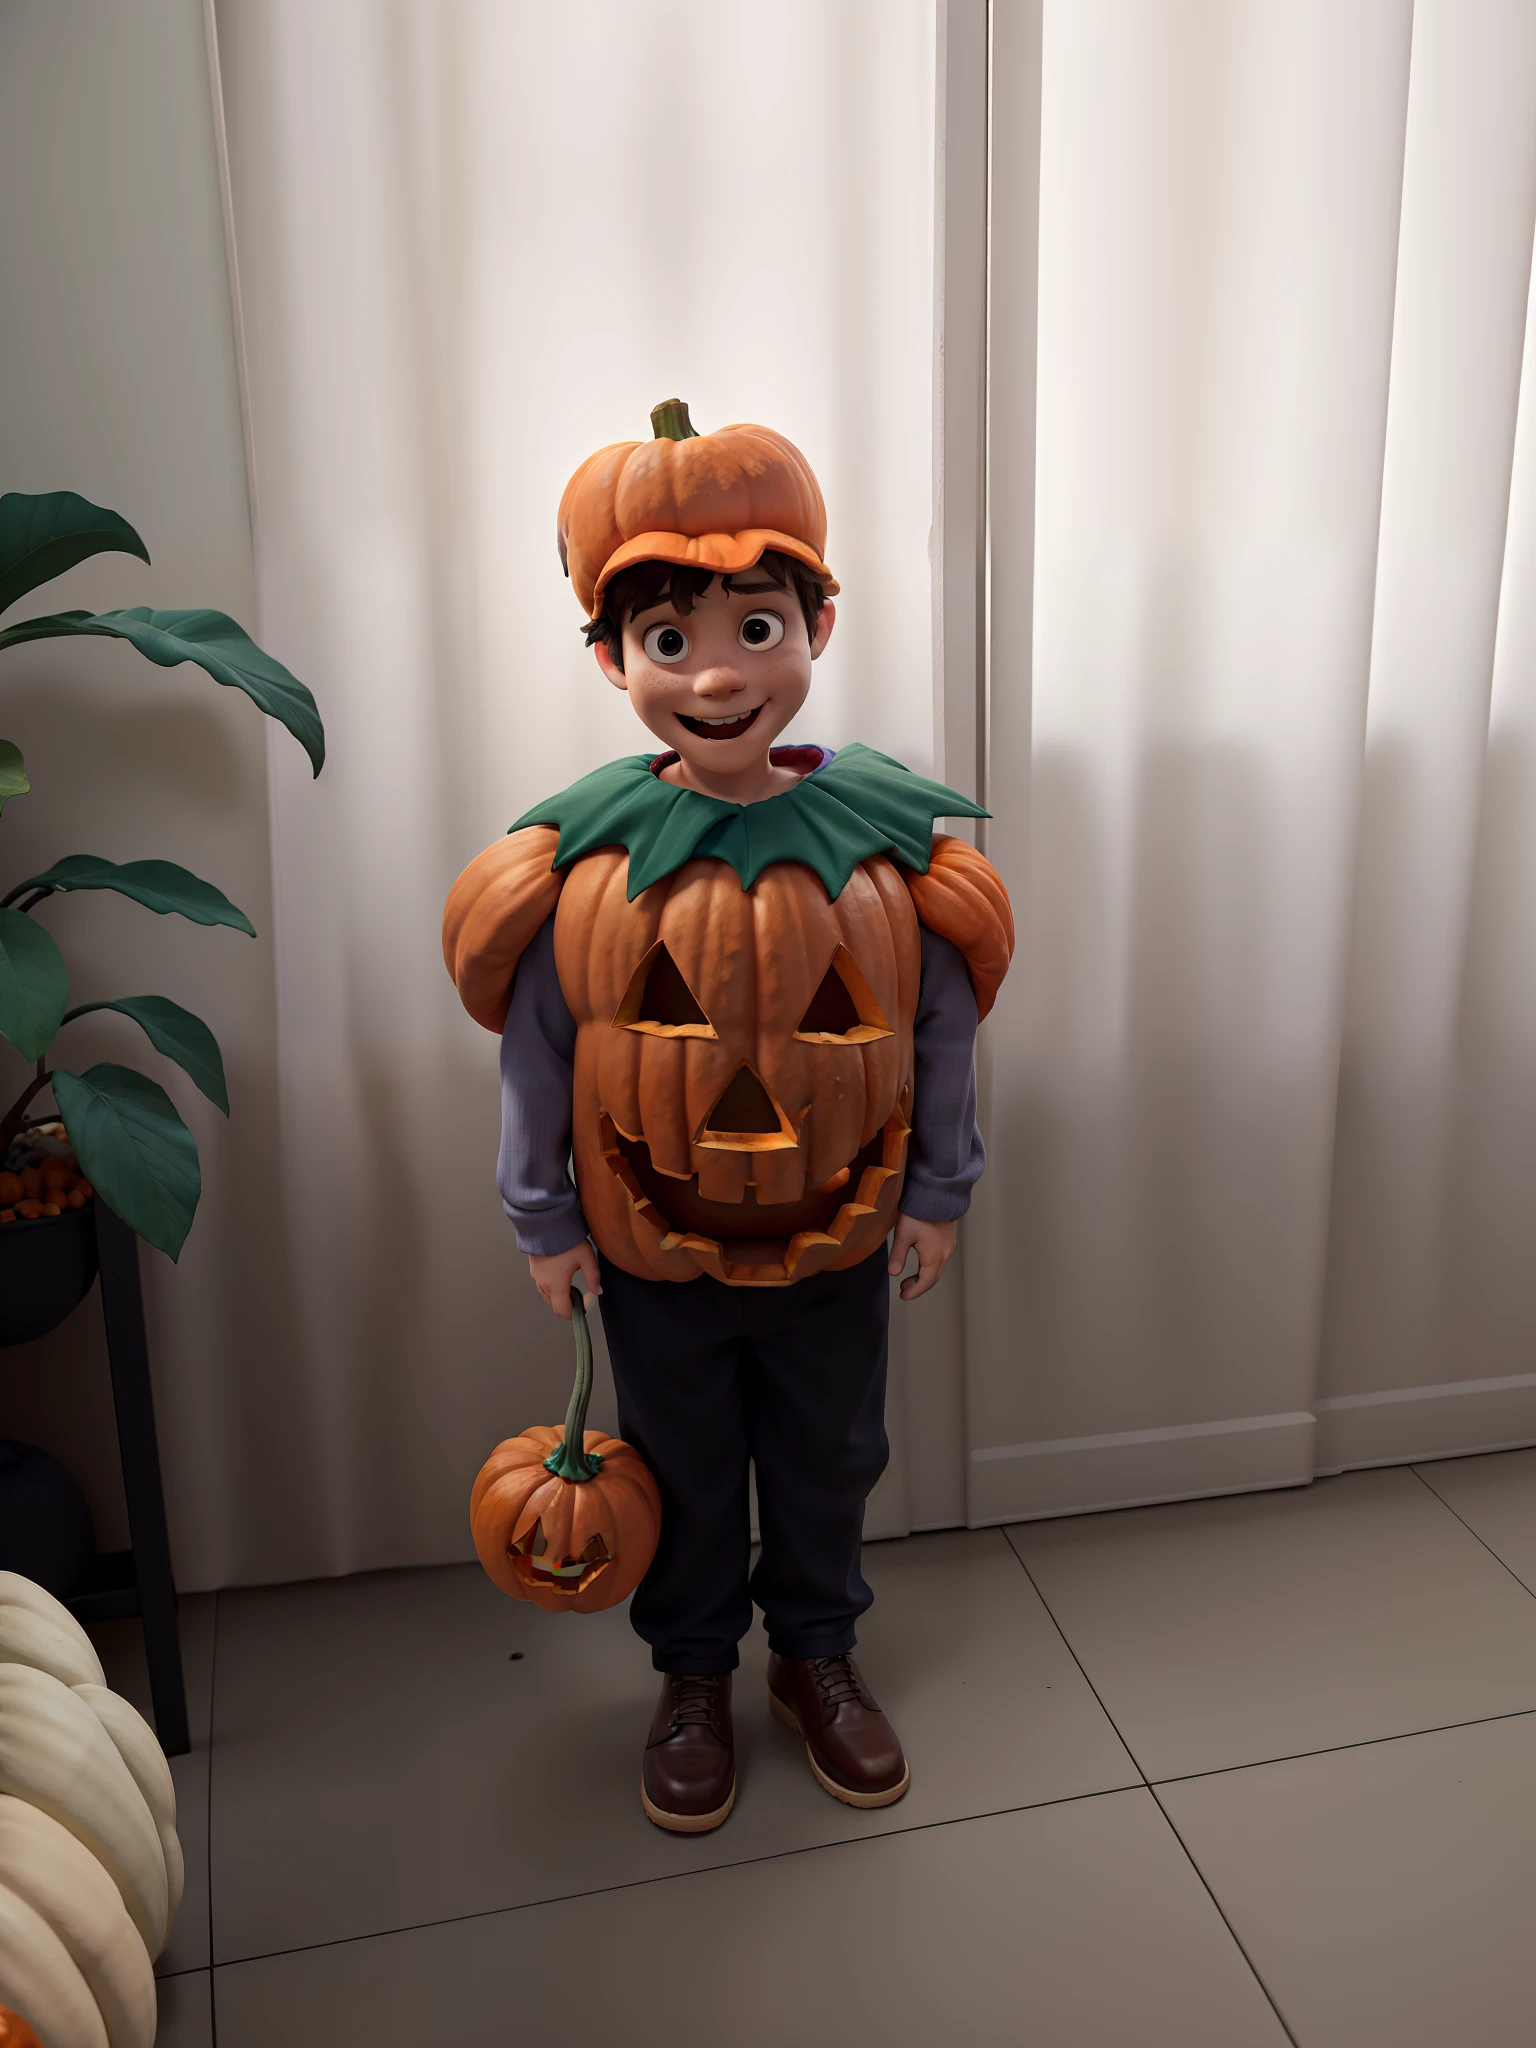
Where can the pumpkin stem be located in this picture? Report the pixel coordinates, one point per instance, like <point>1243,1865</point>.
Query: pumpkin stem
<point>570,1460</point>
<point>670,421</point>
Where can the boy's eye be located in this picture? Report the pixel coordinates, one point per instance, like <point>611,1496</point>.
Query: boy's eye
<point>665,643</point>
<point>761,629</point>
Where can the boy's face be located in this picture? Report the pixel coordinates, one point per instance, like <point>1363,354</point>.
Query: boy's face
<point>720,684</point>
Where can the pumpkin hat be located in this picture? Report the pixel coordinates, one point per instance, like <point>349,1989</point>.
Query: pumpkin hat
<point>715,501</point>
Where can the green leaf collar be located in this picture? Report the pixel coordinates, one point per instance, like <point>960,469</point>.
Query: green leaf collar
<point>857,804</point>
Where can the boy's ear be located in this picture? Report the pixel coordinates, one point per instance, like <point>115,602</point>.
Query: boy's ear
<point>608,665</point>
<point>826,619</point>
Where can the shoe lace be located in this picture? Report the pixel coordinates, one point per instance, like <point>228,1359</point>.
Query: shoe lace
<point>693,1701</point>
<point>838,1680</point>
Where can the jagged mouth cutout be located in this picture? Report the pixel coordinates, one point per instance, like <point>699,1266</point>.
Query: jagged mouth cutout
<point>568,1575</point>
<point>746,1119</point>
<point>841,1203</point>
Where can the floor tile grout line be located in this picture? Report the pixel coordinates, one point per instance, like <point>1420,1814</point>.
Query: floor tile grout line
<point>922,1827</point>
<point>213,1683</point>
<point>1237,1942</point>
<point>1527,1590</point>
<point>1145,1782</point>
<point>1288,1756</point>
<point>1066,1644</point>
<point>1264,1763</point>
<point>1194,1866</point>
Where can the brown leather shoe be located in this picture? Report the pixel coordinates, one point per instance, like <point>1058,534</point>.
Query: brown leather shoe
<point>853,1749</point>
<point>688,1779</point>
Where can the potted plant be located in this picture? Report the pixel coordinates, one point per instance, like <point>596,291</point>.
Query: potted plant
<point>112,1131</point>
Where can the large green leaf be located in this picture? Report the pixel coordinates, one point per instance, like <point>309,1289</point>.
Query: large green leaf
<point>34,987</point>
<point>134,1150</point>
<point>13,773</point>
<point>41,536</point>
<point>178,1034</point>
<point>214,642</point>
<point>158,884</point>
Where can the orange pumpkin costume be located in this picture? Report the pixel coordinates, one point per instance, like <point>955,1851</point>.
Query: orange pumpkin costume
<point>744,1052</point>
<point>741,988</point>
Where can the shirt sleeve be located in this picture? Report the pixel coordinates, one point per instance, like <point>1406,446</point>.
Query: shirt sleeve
<point>538,1056</point>
<point>945,1155</point>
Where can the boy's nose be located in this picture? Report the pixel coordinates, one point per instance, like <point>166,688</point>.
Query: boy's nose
<point>717,682</point>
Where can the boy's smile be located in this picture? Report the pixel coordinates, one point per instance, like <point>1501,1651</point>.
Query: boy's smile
<point>719,683</point>
<point>728,728</point>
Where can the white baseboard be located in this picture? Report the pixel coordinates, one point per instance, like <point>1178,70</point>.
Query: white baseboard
<point>1455,1419</point>
<point>1135,1468</point>
<point>1248,1454</point>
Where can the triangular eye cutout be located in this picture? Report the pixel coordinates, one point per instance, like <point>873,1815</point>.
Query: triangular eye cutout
<point>660,1002</point>
<point>843,1011</point>
<point>832,1012</point>
<point>666,997</point>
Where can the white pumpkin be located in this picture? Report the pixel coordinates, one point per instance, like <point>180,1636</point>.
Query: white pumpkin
<point>47,1869</point>
<point>136,1745</point>
<point>55,1754</point>
<point>90,1865</point>
<point>55,1643</point>
<point>15,1591</point>
<point>39,1980</point>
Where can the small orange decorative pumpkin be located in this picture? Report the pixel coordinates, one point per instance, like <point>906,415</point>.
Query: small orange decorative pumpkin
<point>573,1530</point>
<point>14,2031</point>
<point>716,500</point>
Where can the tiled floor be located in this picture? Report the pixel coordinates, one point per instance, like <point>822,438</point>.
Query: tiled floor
<point>1233,1772</point>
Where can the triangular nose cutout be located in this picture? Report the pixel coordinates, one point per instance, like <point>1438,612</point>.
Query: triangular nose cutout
<point>745,1109</point>
<point>746,1119</point>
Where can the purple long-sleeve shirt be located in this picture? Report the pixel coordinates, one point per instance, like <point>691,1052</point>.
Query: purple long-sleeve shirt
<point>538,1052</point>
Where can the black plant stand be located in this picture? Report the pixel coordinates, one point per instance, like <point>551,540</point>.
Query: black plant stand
<point>137,1581</point>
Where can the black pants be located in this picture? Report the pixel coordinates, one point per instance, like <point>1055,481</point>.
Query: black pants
<point>792,1378</point>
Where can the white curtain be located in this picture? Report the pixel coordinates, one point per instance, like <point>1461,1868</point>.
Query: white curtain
<point>1257,702</point>
<point>1262,1188</point>
<point>1430,1308</point>
<point>477,240</point>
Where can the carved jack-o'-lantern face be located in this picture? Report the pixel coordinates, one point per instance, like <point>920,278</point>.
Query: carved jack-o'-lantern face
<point>565,1547</point>
<point>743,1065</point>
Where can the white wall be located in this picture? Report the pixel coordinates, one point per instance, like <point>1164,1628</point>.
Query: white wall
<point>118,367</point>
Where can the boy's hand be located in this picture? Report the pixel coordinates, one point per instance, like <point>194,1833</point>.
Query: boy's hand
<point>934,1244</point>
<point>553,1276</point>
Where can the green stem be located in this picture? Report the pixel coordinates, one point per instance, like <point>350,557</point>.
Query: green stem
<point>16,1116</point>
<point>670,421</point>
<point>21,890</point>
<point>571,1461</point>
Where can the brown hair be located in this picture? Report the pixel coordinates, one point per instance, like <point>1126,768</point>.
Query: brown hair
<point>646,584</point>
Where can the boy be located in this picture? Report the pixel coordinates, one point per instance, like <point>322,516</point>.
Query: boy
<point>744,1293</point>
